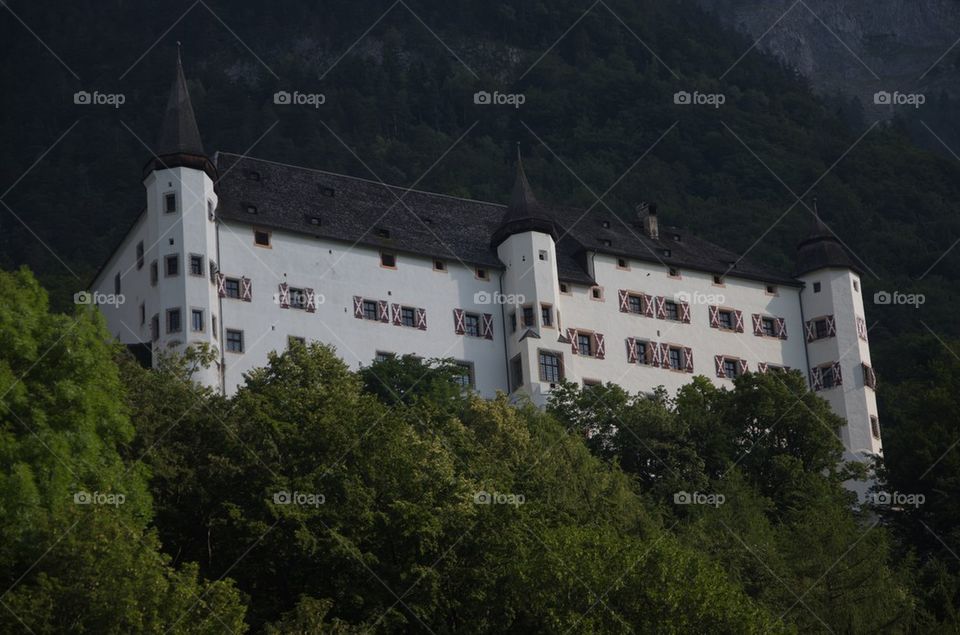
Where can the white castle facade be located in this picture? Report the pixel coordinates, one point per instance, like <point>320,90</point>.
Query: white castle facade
<point>248,255</point>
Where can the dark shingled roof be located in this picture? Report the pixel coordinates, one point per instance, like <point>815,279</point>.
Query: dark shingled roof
<point>524,212</point>
<point>821,249</point>
<point>355,210</point>
<point>179,133</point>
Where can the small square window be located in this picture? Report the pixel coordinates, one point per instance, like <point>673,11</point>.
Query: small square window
<point>564,288</point>
<point>596,293</point>
<point>408,316</point>
<point>196,265</point>
<point>635,304</point>
<point>197,323</point>
<point>543,254</point>
<point>546,315</point>
<point>170,203</point>
<point>821,328</point>
<point>816,287</point>
<point>622,263</point>
<point>261,238</point>
<point>439,265</point>
<point>234,341</point>
<point>173,321</point>
<point>528,316</point>
<point>369,310</point>
<point>768,326</point>
<point>232,287</point>
<point>140,255</point>
<point>674,273</point>
<point>388,260</point>
<point>731,368</point>
<point>171,266</point>
<point>718,280</point>
<point>482,274</point>
<point>154,273</point>
<point>726,319</point>
<point>297,297</point>
<point>771,289</point>
<point>673,311</point>
<point>250,209</point>
<point>583,344</point>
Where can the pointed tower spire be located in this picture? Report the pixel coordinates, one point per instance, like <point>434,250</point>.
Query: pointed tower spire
<point>821,249</point>
<point>524,211</point>
<point>179,143</point>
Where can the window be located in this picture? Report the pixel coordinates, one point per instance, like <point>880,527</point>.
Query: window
<point>635,304</point>
<point>673,311</point>
<point>329,192</point>
<point>369,310</point>
<point>234,341</point>
<point>769,327</point>
<point>482,274</point>
<point>261,238</point>
<point>641,348</point>
<point>196,265</point>
<point>622,263</point>
<point>232,287</point>
<point>543,254</point>
<point>196,320</point>
<point>210,215</point>
<point>298,298</point>
<point>731,369</point>
<point>583,344</point>
<point>213,326</point>
<point>171,266</point>
<point>816,287</point>
<point>513,322</point>
<point>528,316</point>
<point>516,373</point>
<point>471,323</point>
<point>388,260</point>
<point>674,273</point>
<point>665,252</point>
<point>771,289</point>
<point>253,175</point>
<point>439,265</point>
<point>293,340</point>
<point>140,255</point>
<point>382,356</point>
<point>173,321</point>
<point>381,232</point>
<point>213,272</point>
<point>170,203</point>
<point>718,280</point>
<point>596,293</point>
<point>605,224</point>
<point>408,316</point>
<point>116,283</point>
<point>564,288</point>
<point>314,220</point>
<point>546,315</point>
<point>676,358</point>
<point>250,209</point>
<point>550,369</point>
<point>465,377</point>
<point>143,314</point>
<point>821,328</point>
<point>153,273</point>
<point>856,285</point>
<point>875,427</point>
<point>726,319</point>
<point>155,328</point>
<point>828,377</point>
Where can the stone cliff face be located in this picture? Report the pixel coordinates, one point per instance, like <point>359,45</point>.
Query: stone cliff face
<point>857,47</point>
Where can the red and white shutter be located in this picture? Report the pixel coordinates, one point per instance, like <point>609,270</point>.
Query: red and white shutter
<point>742,364</point>
<point>862,329</point>
<point>422,319</point>
<point>397,315</point>
<point>837,376</point>
<point>624,300</point>
<point>598,346</point>
<point>653,353</point>
<point>311,300</point>
<point>831,326</point>
<point>665,355</point>
<point>284,295</point>
<point>221,285</point>
<point>738,321</point>
<point>458,326</point>
<point>816,376</point>
<point>781,328</point>
<point>572,336</point>
<point>358,307</point>
<point>762,367</point>
<point>688,359</point>
<point>631,350</point>
<point>757,324</point>
<point>718,362</point>
<point>661,307</point>
<point>685,312</point>
<point>487,326</point>
<point>383,310</point>
<point>714,317</point>
<point>246,289</point>
<point>811,331</point>
<point>646,305</point>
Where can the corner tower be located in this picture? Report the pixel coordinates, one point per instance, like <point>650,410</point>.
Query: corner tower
<point>180,182</point>
<point>526,243</point>
<point>835,328</point>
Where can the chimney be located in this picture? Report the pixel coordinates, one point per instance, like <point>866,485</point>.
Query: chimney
<point>650,226</point>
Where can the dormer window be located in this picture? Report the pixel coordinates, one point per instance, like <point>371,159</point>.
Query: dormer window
<point>381,232</point>
<point>251,209</point>
<point>676,238</point>
<point>253,175</point>
<point>327,191</point>
<point>313,220</point>
<point>606,224</point>
<point>606,242</point>
<point>665,252</point>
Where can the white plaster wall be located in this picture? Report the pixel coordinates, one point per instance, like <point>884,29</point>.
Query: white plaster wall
<point>336,272</point>
<point>123,320</point>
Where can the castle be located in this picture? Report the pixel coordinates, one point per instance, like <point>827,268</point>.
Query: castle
<point>248,255</point>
